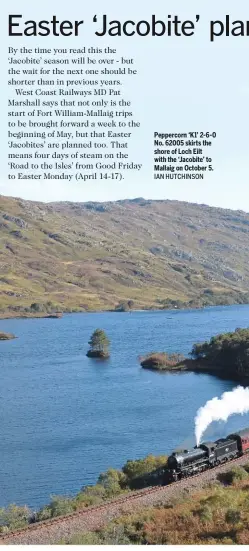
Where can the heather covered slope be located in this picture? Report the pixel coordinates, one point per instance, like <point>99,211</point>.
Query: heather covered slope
<point>128,254</point>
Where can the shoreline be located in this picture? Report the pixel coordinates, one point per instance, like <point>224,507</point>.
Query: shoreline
<point>40,315</point>
<point>195,366</point>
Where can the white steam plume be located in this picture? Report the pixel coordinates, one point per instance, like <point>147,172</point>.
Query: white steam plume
<point>219,409</point>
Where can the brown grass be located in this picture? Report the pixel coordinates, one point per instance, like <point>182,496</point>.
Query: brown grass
<point>161,361</point>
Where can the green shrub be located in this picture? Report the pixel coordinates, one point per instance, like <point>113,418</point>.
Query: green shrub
<point>234,475</point>
<point>14,517</point>
<point>113,481</point>
<point>36,307</point>
<point>205,514</point>
<point>116,534</point>
<point>133,469</point>
<point>232,516</point>
<point>59,506</point>
<point>220,498</point>
<point>44,514</point>
<point>86,538</point>
<point>246,467</point>
<point>91,495</point>
<point>226,541</point>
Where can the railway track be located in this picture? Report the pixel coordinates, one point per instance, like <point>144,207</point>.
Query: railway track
<point>51,531</point>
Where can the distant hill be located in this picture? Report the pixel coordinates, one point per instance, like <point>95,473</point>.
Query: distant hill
<point>130,254</point>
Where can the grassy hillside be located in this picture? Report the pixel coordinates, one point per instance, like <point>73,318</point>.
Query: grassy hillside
<point>216,515</point>
<point>125,254</point>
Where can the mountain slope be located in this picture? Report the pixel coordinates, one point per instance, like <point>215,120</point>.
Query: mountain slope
<point>94,256</point>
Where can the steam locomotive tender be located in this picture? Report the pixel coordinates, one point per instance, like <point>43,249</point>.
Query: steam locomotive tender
<point>207,455</point>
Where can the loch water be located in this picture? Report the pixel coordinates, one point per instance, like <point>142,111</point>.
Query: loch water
<point>64,418</point>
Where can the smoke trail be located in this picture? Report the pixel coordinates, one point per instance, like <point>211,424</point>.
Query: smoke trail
<point>219,409</point>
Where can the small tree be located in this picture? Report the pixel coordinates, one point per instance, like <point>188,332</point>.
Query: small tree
<point>36,307</point>
<point>99,345</point>
<point>14,517</point>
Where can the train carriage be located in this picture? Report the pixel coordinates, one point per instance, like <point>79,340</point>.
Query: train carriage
<point>242,439</point>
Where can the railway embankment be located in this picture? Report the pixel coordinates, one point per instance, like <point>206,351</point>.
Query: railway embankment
<point>63,528</point>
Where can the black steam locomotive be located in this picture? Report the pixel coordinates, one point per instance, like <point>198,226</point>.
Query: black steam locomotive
<point>207,455</point>
<point>196,460</point>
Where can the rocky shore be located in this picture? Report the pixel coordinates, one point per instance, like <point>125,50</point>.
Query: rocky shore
<point>7,336</point>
